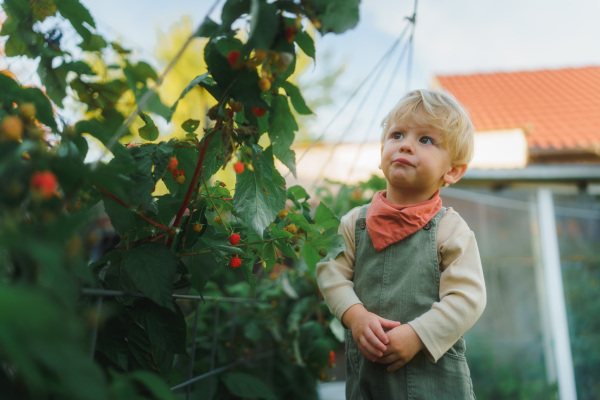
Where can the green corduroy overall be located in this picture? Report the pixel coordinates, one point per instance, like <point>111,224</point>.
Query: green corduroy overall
<point>401,283</point>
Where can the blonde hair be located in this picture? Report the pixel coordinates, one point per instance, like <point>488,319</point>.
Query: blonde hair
<point>441,111</point>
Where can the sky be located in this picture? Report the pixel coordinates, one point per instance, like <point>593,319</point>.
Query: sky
<point>450,37</point>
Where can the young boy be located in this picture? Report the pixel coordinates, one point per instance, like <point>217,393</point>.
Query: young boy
<point>410,282</point>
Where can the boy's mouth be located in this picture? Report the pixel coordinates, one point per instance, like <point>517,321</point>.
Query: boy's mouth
<point>403,161</point>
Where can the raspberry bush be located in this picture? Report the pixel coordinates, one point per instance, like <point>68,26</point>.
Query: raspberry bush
<point>53,242</point>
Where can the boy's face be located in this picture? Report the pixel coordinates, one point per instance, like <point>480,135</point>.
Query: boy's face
<point>414,161</point>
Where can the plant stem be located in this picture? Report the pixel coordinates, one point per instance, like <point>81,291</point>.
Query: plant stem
<point>121,202</point>
<point>197,173</point>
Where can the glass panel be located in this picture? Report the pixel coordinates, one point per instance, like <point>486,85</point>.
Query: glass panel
<point>505,348</point>
<point>578,224</point>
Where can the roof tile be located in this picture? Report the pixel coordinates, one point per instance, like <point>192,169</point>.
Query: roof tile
<point>559,109</point>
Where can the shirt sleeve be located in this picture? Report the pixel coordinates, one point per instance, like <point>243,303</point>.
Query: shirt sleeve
<point>462,288</point>
<point>334,277</point>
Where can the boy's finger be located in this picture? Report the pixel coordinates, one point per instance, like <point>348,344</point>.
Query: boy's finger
<point>389,324</point>
<point>368,347</point>
<point>377,337</point>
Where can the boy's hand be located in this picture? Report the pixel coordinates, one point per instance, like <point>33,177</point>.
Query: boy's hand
<point>368,330</point>
<point>404,344</point>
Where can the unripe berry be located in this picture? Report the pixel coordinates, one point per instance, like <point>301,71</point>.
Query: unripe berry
<point>264,84</point>
<point>235,262</point>
<point>43,184</point>
<point>259,112</point>
<point>27,111</point>
<point>233,57</point>
<point>284,61</point>
<point>197,227</point>
<point>11,129</point>
<point>178,176</point>
<point>234,239</point>
<point>236,106</point>
<point>238,167</point>
<point>173,162</point>
<point>260,55</point>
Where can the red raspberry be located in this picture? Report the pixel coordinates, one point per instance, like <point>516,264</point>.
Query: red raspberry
<point>173,162</point>
<point>238,167</point>
<point>331,357</point>
<point>234,239</point>
<point>259,112</point>
<point>44,184</point>
<point>233,57</point>
<point>235,262</point>
<point>290,32</point>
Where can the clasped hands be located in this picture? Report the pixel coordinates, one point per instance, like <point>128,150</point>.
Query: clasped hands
<point>382,340</point>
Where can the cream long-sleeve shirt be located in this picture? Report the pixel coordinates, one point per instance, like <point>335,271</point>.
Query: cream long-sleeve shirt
<point>462,287</point>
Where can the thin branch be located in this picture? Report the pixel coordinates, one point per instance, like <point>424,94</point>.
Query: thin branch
<point>127,206</point>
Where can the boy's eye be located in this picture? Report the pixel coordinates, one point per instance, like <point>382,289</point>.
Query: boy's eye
<point>397,135</point>
<point>426,140</point>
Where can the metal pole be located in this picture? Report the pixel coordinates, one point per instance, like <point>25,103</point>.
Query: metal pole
<point>193,356</point>
<point>555,295</point>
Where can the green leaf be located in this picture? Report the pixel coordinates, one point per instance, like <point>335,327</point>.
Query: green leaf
<point>299,221</point>
<point>209,28</point>
<point>97,130</point>
<point>268,255</point>
<point>157,387</point>
<point>296,97</point>
<point>49,358</point>
<point>44,111</point>
<point>151,268</point>
<point>246,386</point>
<point>264,25</point>
<point>232,10</point>
<point>166,329</point>
<point>260,194</point>
<point>306,43</point>
<point>282,126</point>
<point>77,14</point>
<point>325,218</point>
<point>149,131</point>
<point>337,16</point>
<point>195,82</point>
<point>190,125</point>
<point>79,67</point>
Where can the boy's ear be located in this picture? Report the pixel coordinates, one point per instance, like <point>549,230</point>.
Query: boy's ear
<point>455,173</point>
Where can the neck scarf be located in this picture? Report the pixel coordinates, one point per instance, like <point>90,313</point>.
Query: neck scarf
<point>388,223</point>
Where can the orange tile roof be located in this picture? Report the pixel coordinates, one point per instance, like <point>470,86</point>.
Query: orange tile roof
<point>558,109</point>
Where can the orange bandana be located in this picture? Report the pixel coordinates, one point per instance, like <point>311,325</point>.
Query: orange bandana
<point>388,223</point>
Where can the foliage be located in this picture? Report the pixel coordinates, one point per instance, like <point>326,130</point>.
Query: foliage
<point>52,201</point>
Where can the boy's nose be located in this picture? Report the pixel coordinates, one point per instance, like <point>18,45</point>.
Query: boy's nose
<point>407,147</point>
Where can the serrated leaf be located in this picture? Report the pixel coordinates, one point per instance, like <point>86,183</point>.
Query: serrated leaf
<point>149,131</point>
<point>325,218</point>
<point>299,221</point>
<point>166,329</point>
<point>232,10</point>
<point>296,97</point>
<point>260,194</point>
<point>282,126</point>
<point>151,267</point>
<point>306,43</point>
